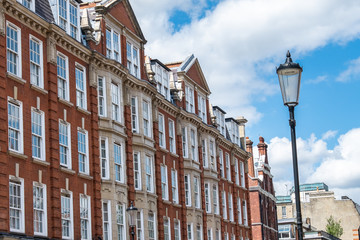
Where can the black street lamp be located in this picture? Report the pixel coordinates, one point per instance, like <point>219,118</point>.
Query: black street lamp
<point>289,78</point>
<point>132,218</point>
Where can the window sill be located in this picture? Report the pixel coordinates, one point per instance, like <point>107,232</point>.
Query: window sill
<point>67,170</point>
<point>40,162</point>
<point>38,89</point>
<point>17,155</point>
<point>104,118</point>
<point>174,154</point>
<point>66,102</point>
<point>15,78</point>
<point>80,109</point>
<point>86,176</point>
<point>115,122</point>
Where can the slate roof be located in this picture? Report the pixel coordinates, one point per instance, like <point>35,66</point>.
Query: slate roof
<point>43,9</point>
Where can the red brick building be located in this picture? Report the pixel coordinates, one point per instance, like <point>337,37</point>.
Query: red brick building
<point>262,194</point>
<point>92,126</point>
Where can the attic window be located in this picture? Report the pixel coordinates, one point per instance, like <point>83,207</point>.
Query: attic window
<point>30,4</point>
<point>67,14</point>
<point>112,44</point>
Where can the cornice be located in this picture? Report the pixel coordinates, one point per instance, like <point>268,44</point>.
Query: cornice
<point>25,16</point>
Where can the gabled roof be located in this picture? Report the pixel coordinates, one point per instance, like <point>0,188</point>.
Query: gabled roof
<point>191,67</point>
<point>110,4</point>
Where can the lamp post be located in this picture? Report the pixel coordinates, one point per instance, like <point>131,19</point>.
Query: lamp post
<point>132,216</point>
<point>289,78</point>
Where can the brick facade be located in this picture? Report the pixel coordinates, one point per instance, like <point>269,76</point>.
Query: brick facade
<point>262,194</point>
<point>124,153</point>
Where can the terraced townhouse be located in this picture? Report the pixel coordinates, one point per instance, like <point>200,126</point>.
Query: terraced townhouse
<point>93,124</point>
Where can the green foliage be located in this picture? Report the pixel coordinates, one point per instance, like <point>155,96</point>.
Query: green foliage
<point>334,227</point>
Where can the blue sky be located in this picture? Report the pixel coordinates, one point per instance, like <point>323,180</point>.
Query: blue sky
<point>239,44</point>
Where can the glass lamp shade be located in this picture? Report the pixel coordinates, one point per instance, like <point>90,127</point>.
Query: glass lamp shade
<point>132,211</point>
<point>289,78</point>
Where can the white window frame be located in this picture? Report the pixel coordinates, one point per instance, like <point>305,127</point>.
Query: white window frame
<point>68,194</point>
<point>215,194</point>
<point>168,226</point>
<point>137,171</point>
<point>231,207</point>
<point>245,217</point>
<point>209,234</point>
<point>40,64</point>
<point>172,139</point>
<point>41,137</point>
<point>187,182</point>
<point>177,229</point>
<point>153,222</point>
<point>40,206</point>
<point>207,197</point>
<point>140,225</point>
<point>202,108</point>
<point>19,182</point>
<point>189,99</point>
<point>102,96</point>
<point>184,139</point>
<point>239,206</point>
<point>162,139</point>
<point>237,175</point>
<point>224,205</point>
<point>20,131</point>
<point>146,117</point>
<point>193,143</point>
<point>222,170</point>
<point>104,158</point>
<point>228,166</point>
<point>81,94</point>
<point>283,211</point>
<point>18,60</point>
<point>133,64</point>
<point>118,162</point>
<point>174,186</point>
<point>212,154</point>
<point>121,221</point>
<point>86,154</point>
<point>107,221</point>
<point>242,173</point>
<point>68,146</point>
<point>65,95</point>
<point>31,4</point>
<point>111,50</point>
<point>197,193</point>
<point>190,233</point>
<point>217,234</point>
<point>67,28</point>
<point>149,171</point>
<point>134,114</point>
<point>115,102</point>
<point>85,216</point>
<point>199,232</point>
<point>164,182</point>
<point>204,153</point>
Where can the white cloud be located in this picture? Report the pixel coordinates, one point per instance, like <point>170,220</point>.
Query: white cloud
<point>317,80</point>
<point>329,134</point>
<point>240,41</point>
<point>339,168</point>
<point>351,72</point>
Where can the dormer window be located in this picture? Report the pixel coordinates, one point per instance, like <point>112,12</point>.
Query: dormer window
<point>133,59</point>
<point>189,99</point>
<point>113,44</point>
<point>162,79</point>
<point>220,119</point>
<point>30,4</point>
<point>202,108</point>
<point>66,14</point>
<point>233,129</point>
